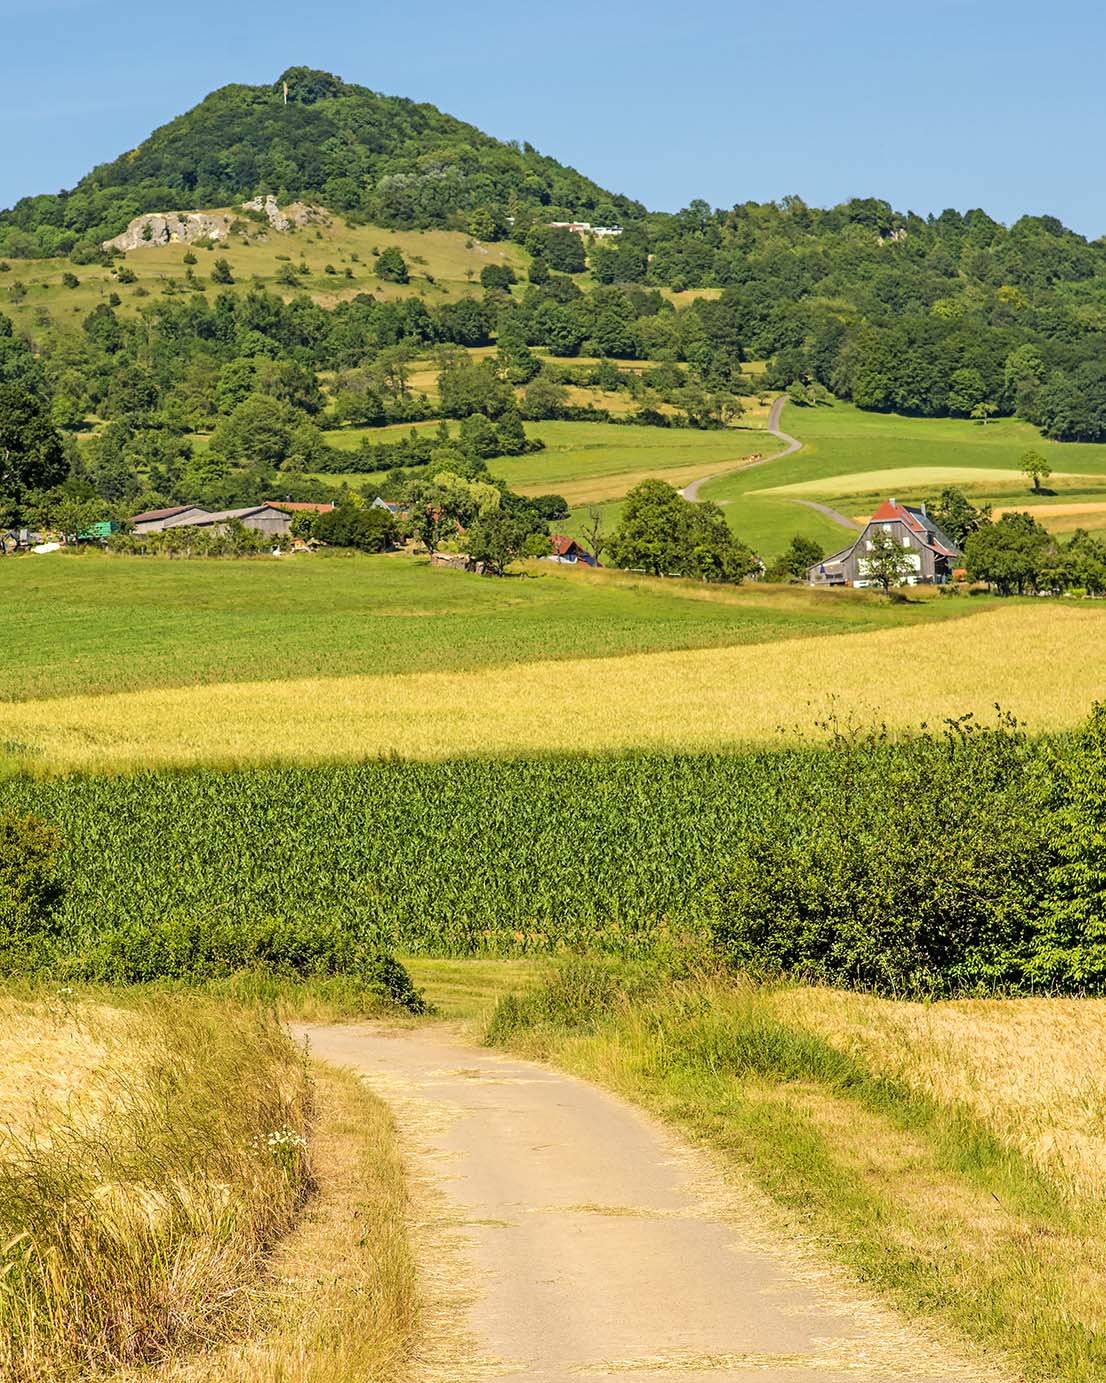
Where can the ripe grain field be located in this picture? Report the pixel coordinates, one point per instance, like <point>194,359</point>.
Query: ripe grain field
<point>1044,663</point>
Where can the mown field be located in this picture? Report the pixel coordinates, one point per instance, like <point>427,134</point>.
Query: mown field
<point>93,624</point>
<point>852,460</point>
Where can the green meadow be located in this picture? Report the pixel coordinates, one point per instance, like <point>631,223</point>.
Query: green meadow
<point>851,460</point>
<point>94,624</point>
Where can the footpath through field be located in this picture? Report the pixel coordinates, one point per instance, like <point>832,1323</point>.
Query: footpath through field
<point>563,1234</point>
<point>791,445</point>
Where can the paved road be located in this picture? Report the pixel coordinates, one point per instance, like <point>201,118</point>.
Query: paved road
<point>792,444</point>
<point>564,1235</point>
<point>834,514</point>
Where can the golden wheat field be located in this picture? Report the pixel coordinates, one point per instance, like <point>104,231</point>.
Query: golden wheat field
<point>1045,663</point>
<point>53,1063</point>
<point>1033,1069</point>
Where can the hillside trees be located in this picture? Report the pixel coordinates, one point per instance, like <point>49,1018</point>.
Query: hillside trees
<point>32,456</point>
<point>664,534</point>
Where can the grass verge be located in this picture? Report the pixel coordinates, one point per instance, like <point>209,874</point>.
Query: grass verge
<point>341,1302</point>
<point>135,1220</point>
<point>921,1193</point>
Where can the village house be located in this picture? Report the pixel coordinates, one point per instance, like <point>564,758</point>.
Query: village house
<point>569,550</point>
<point>931,553</point>
<point>397,511</point>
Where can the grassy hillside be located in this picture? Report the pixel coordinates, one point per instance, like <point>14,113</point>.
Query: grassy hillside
<point>443,265</point>
<point>93,624</point>
<point>852,460</point>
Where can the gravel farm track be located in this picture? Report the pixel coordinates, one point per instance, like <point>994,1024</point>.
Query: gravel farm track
<point>564,1234</point>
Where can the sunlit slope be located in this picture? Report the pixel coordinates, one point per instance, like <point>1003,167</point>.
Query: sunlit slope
<point>1045,664</point>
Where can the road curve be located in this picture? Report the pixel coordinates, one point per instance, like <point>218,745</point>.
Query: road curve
<point>791,445</point>
<point>563,1234</point>
<point>834,514</point>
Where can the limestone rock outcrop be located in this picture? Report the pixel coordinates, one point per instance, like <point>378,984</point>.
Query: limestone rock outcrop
<point>182,227</point>
<point>174,227</point>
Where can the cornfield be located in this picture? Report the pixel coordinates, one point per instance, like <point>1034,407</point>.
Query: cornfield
<point>452,858</point>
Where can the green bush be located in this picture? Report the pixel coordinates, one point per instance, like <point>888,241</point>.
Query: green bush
<point>29,891</point>
<point>909,867</point>
<point>198,949</point>
<point>1070,950</point>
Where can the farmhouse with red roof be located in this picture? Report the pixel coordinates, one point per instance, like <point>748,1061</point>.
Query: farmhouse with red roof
<point>570,551</point>
<point>931,552</point>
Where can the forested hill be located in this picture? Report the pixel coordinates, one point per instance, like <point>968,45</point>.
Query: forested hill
<point>950,314</point>
<point>389,159</point>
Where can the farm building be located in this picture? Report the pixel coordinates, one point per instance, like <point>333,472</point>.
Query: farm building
<point>569,550</point>
<point>931,553</point>
<point>154,520</point>
<point>397,511</point>
<point>263,518</point>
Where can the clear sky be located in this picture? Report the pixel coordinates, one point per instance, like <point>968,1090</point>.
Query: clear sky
<point>992,103</point>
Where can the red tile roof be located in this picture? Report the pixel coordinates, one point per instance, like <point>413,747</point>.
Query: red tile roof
<point>889,509</point>
<point>299,506</point>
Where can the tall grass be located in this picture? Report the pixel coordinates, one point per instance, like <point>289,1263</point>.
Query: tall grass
<point>904,1182</point>
<point>142,1232</point>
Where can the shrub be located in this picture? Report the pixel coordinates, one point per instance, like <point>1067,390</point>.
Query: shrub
<point>908,868</point>
<point>391,266</point>
<point>367,530</point>
<point>197,949</point>
<point>1070,953</point>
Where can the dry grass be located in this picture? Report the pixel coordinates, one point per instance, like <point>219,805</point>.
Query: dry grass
<point>54,1059</point>
<point>1044,662</point>
<point>342,1300</point>
<point>905,480</point>
<point>142,1232</point>
<point>1033,1069</point>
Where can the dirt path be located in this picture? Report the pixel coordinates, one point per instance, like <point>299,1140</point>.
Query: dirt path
<point>564,1235</point>
<point>792,445</point>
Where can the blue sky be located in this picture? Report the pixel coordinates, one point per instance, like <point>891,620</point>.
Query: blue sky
<point>951,103</point>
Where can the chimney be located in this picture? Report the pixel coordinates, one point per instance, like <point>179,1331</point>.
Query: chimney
<point>924,508</point>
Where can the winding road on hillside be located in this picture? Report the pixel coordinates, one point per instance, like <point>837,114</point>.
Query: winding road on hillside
<point>563,1234</point>
<point>791,445</point>
<point>833,514</point>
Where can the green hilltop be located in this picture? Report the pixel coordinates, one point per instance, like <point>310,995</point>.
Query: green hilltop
<point>390,160</point>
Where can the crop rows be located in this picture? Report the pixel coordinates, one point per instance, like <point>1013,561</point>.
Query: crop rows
<point>496,855</point>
